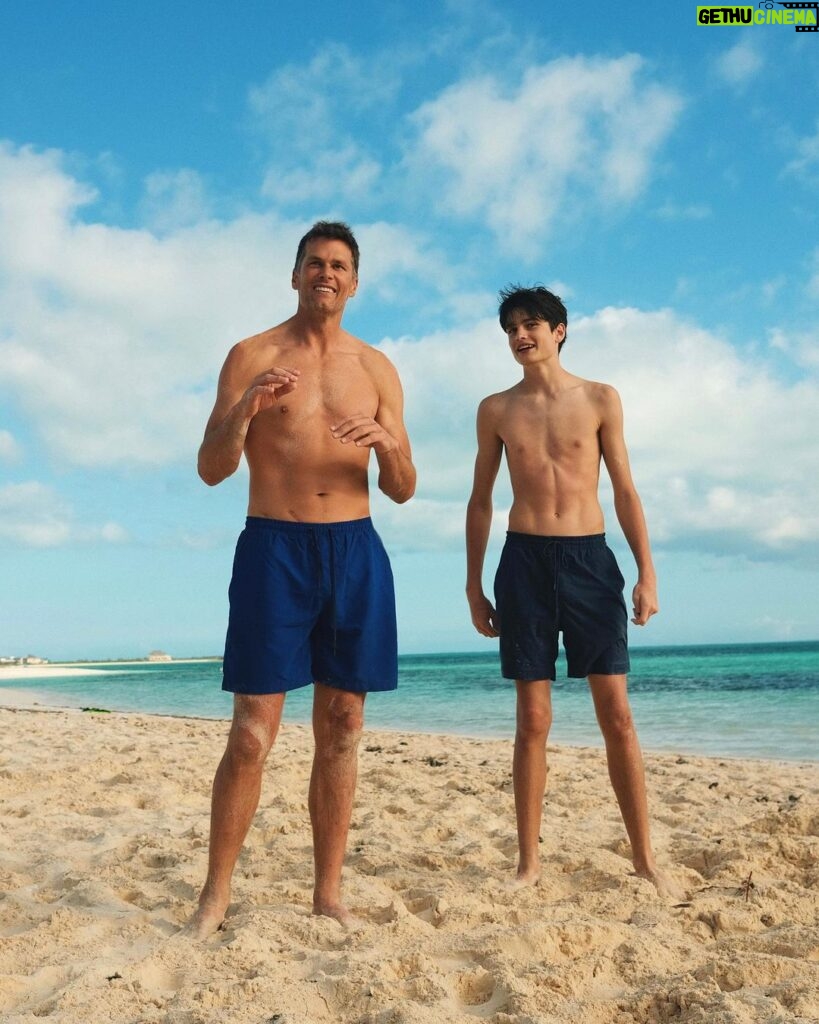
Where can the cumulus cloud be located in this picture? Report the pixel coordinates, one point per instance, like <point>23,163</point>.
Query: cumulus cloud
<point>723,449</point>
<point>309,112</point>
<point>576,131</point>
<point>741,63</point>
<point>36,516</point>
<point>110,338</point>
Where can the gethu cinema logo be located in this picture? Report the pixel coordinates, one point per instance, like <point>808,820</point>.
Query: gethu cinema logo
<point>803,16</point>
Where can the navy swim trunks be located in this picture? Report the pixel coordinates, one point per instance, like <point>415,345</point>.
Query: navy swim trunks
<point>547,585</point>
<point>310,602</point>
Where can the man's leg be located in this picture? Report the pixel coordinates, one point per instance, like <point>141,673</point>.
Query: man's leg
<point>234,800</point>
<point>626,771</point>
<point>534,719</point>
<point>338,719</point>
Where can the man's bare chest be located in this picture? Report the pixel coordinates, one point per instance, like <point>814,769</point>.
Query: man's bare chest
<point>323,397</point>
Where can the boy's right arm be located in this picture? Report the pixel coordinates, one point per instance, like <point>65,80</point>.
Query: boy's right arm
<point>479,519</point>
<point>237,402</point>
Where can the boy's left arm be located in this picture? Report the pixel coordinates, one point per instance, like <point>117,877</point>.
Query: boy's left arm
<point>627,505</point>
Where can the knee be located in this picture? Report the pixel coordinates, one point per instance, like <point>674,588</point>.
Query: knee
<point>533,725</point>
<point>617,725</point>
<point>249,744</point>
<point>341,728</point>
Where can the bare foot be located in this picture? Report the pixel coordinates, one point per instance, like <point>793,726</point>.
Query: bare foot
<point>207,920</point>
<point>524,879</point>
<point>339,913</point>
<point>663,883</point>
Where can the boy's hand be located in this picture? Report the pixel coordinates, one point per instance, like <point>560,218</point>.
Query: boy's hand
<point>484,617</point>
<point>644,601</point>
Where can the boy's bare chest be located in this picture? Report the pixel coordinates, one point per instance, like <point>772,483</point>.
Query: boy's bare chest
<point>549,429</point>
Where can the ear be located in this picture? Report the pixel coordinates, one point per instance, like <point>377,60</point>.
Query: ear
<point>294,279</point>
<point>354,288</point>
<point>560,332</point>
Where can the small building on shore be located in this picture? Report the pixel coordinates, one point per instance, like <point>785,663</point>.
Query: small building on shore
<point>159,656</point>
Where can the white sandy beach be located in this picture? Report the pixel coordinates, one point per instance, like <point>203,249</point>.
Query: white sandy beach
<point>105,822</point>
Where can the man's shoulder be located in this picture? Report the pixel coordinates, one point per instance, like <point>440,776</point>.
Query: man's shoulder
<point>372,359</point>
<point>249,349</point>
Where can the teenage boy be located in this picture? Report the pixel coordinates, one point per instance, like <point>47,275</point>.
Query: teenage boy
<point>556,573</point>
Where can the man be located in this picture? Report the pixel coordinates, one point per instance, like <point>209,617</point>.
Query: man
<point>311,596</point>
<point>556,572</point>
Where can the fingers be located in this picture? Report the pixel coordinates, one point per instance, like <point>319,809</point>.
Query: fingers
<point>278,375</point>
<point>362,431</point>
<point>642,613</point>
<point>483,619</point>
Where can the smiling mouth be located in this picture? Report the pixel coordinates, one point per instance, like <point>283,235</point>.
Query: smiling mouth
<point>525,347</point>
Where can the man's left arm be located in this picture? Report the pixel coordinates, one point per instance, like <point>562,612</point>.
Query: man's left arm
<point>627,505</point>
<point>386,434</point>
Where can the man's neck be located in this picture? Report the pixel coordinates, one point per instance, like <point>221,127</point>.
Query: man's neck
<point>319,332</point>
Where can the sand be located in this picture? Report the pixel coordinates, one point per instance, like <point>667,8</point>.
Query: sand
<point>105,823</point>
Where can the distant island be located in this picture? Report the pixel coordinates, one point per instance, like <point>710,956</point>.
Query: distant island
<point>154,657</point>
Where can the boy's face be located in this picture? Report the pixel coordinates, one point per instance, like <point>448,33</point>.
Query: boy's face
<point>532,339</point>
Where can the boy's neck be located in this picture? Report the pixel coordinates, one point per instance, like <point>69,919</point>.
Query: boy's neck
<point>548,376</point>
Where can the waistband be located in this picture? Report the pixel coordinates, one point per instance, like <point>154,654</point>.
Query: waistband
<point>307,529</point>
<point>590,540</point>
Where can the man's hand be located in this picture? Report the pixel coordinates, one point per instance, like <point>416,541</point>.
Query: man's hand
<point>484,617</point>
<point>364,432</point>
<point>644,601</point>
<point>266,389</point>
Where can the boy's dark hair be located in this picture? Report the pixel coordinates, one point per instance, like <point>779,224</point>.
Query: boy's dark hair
<point>537,302</point>
<point>335,229</point>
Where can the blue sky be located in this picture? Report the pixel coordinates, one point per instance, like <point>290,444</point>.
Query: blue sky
<point>158,163</point>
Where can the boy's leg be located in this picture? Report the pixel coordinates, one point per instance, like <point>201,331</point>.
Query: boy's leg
<point>338,719</point>
<point>534,719</point>
<point>235,797</point>
<point>626,770</point>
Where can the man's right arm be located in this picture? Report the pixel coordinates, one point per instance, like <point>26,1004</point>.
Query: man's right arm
<point>479,518</point>
<point>238,399</point>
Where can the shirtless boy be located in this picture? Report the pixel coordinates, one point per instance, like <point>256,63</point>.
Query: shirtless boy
<point>556,573</point>
<point>311,596</point>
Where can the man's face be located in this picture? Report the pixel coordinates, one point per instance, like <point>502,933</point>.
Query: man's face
<point>531,339</point>
<point>326,277</point>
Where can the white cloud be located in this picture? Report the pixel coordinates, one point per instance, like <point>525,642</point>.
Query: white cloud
<point>34,515</point>
<point>9,448</point>
<point>308,114</point>
<point>578,131</point>
<point>110,339</point>
<point>741,63</point>
<point>723,450</point>
<point>806,162</point>
<point>174,199</point>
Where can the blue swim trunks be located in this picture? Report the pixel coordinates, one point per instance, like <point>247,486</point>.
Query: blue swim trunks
<point>310,602</point>
<point>547,585</point>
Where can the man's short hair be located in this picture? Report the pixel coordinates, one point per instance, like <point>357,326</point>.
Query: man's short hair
<point>334,229</point>
<point>537,302</point>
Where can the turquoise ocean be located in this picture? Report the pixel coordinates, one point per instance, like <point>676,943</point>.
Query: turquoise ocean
<point>754,700</point>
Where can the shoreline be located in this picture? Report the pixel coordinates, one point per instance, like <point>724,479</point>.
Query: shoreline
<point>20,702</point>
<point>106,823</point>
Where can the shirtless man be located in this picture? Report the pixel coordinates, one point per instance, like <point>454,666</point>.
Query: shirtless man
<point>311,596</point>
<point>556,572</point>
